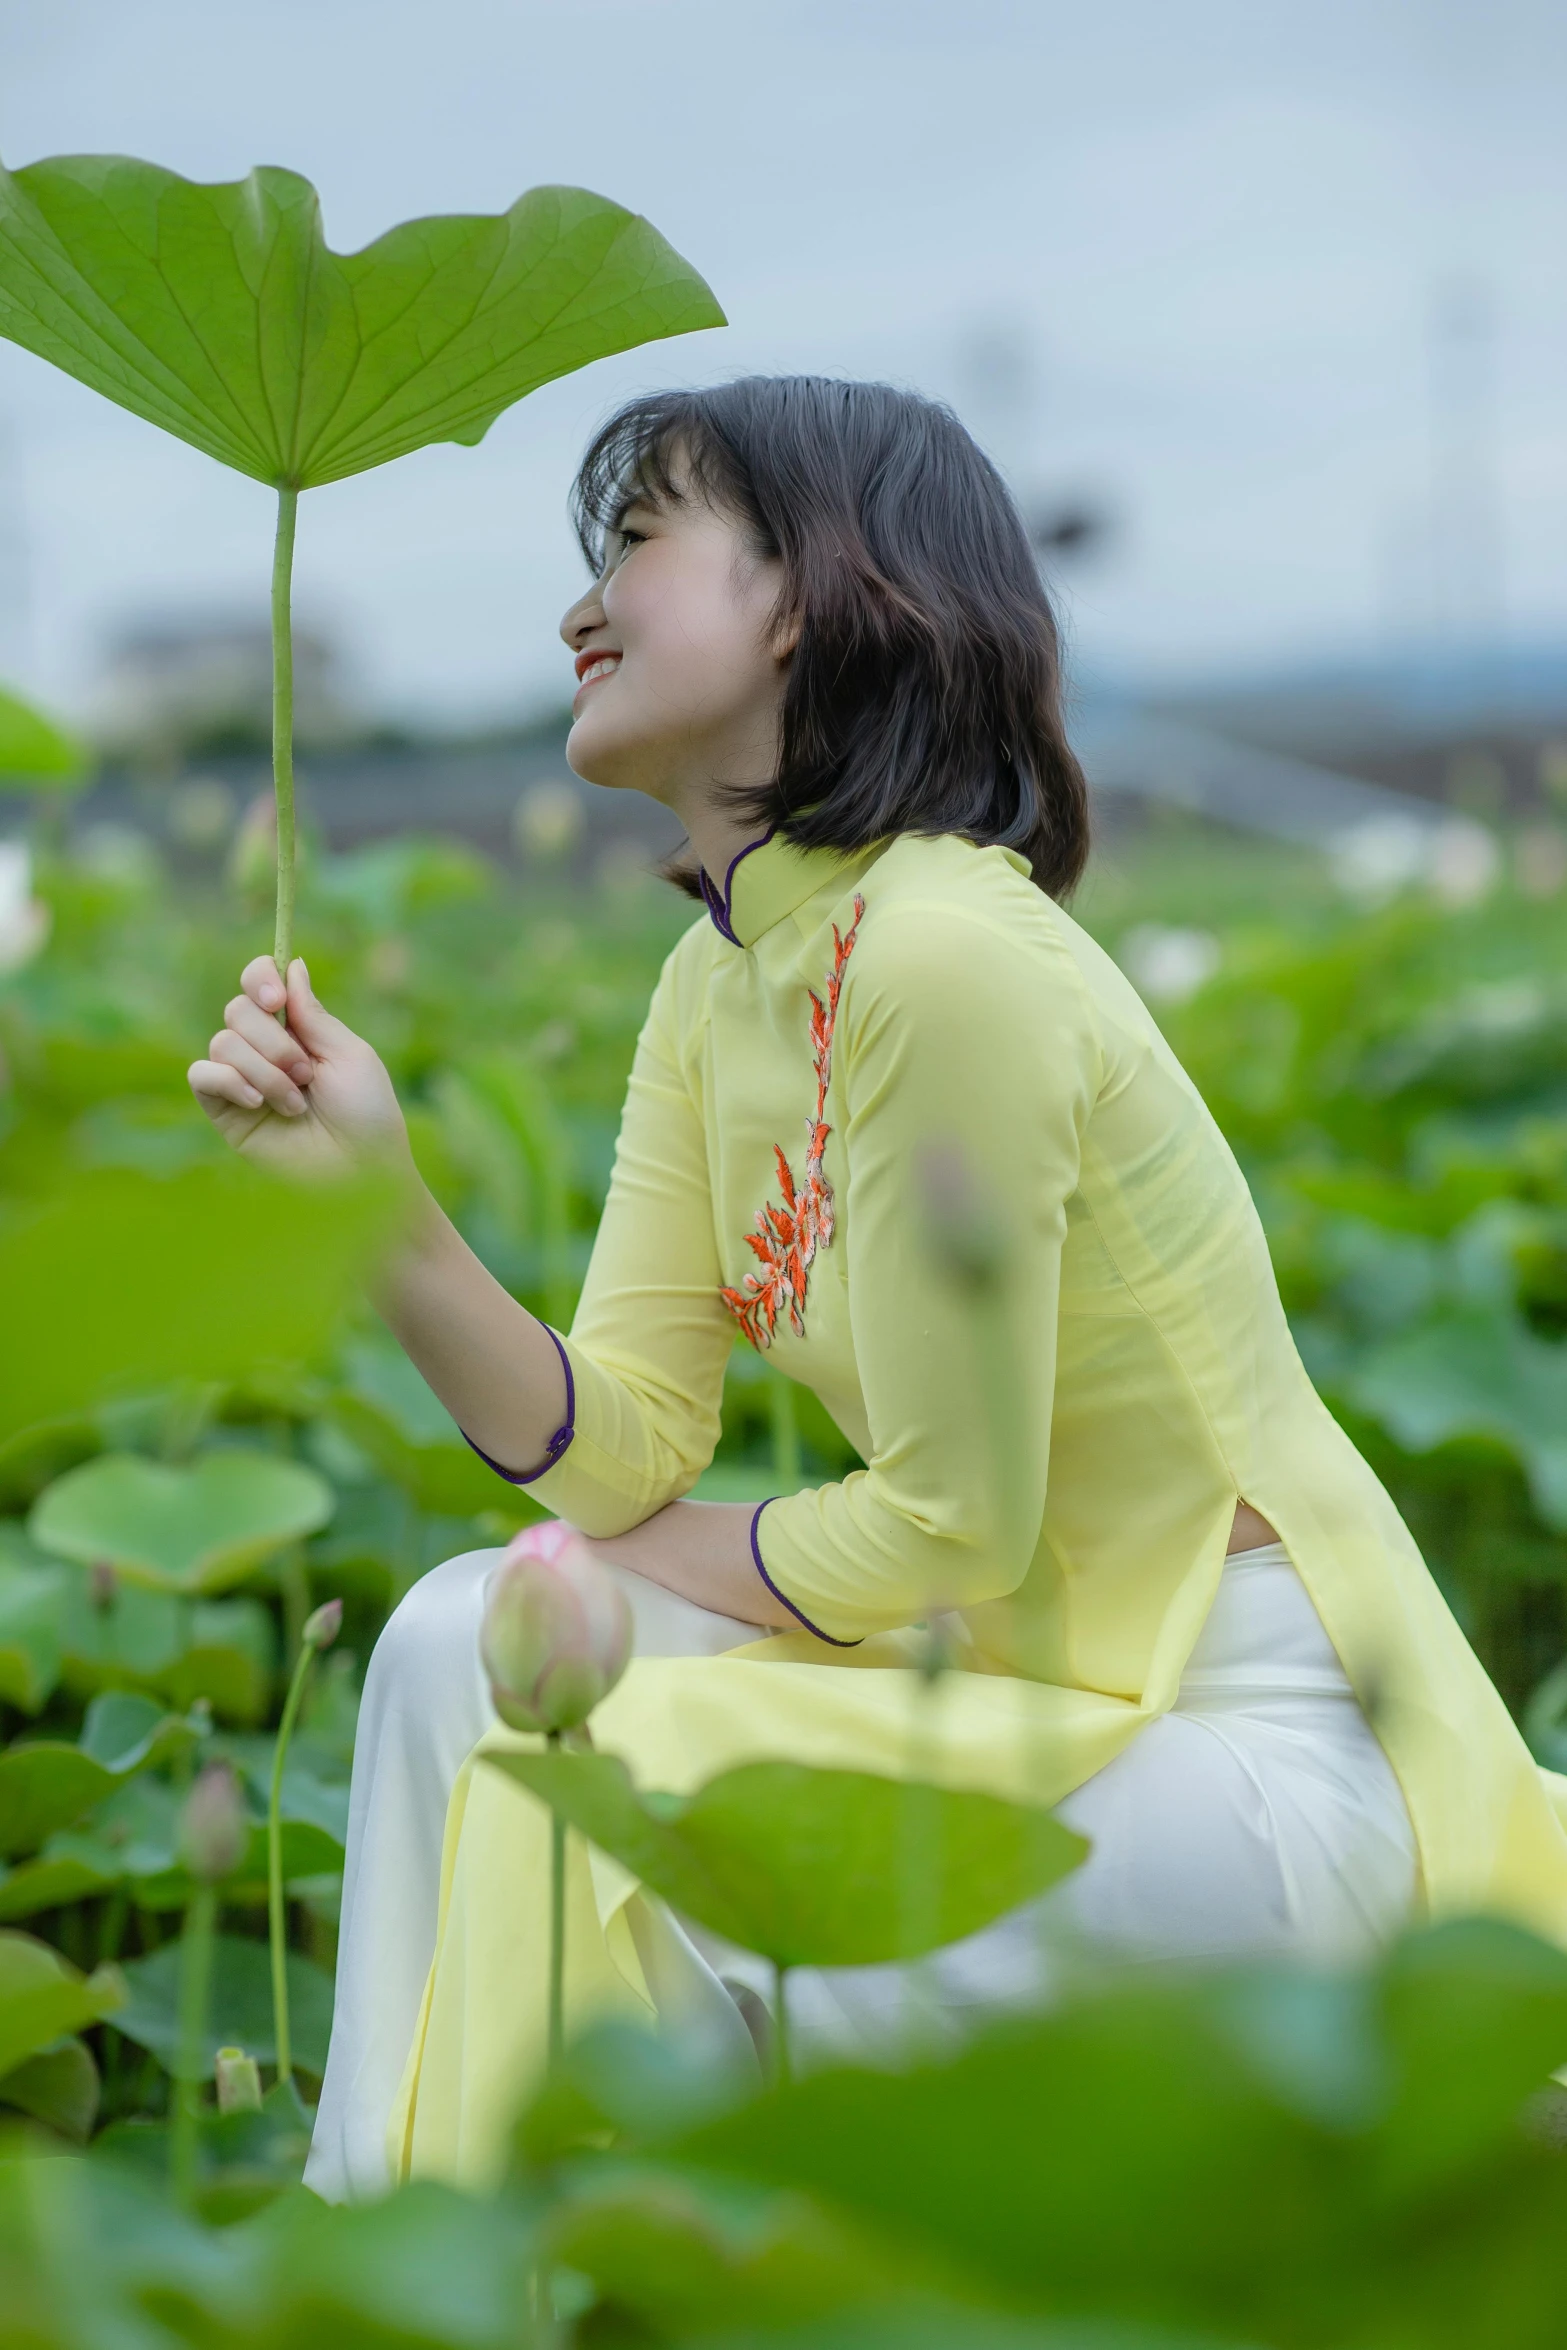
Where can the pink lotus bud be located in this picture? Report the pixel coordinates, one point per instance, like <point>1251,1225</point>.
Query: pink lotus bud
<point>214,1826</point>
<point>557,1630</point>
<point>323,1627</point>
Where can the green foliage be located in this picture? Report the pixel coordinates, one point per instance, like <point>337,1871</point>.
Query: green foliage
<point>112,1284</point>
<point>241,2010</point>
<point>34,752</point>
<point>218,312</point>
<point>195,1529</point>
<point>812,1868</point>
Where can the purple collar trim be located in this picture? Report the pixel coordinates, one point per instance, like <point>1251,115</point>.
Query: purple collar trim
<point>720,903</point>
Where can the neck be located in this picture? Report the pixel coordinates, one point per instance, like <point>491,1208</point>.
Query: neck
<point>718,834</point>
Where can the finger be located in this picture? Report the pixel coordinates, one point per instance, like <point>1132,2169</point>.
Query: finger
<point>261,983</point>
<point>217,1087</point>
<point>308,1017</point>
<point>279,1091</point>
<point>269,1036</point>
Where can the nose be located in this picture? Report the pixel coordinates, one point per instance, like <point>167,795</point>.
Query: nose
<point>582,618</point>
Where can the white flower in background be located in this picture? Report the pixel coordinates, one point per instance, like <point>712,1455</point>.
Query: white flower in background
<point>1167,965</point>
<point>549,819</point>
<point>1464,862</point>
<point>1373,861</point>
<point>24,923</point>
<point>1540,861</point>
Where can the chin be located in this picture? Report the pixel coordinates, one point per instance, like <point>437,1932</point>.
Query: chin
<point>594,754</point>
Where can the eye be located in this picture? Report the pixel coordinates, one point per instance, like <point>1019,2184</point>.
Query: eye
<point>628,539</point>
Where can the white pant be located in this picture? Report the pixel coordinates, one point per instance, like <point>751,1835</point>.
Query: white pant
<point>1260,1815</point>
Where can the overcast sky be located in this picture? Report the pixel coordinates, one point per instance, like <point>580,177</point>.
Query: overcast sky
<point>1183,260</point>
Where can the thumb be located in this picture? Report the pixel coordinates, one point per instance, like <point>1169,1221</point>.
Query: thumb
<point>308,1017</point>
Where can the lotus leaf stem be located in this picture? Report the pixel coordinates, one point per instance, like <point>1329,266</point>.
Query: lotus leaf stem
<point>557,1998</point>
<point>196,1952</point>
<point>277,1918</point>
<point>283,723</point>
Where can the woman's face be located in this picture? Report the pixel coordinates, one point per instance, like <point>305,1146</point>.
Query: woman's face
<point>680,674</point>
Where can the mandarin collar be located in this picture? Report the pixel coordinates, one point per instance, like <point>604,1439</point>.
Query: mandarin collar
<point>768,879</point>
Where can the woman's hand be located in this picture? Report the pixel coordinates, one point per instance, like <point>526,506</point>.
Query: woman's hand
<point>311,1096</point>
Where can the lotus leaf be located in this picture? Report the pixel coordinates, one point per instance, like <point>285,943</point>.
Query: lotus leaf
<point>241,2011</point>
<point>1476,1373</point>
<point>58,2086</point>
<point>46,1784</point>
<point>809,1867</point>
<point>111,1285</point>
<point>33,751</point>
<point>218,312</point>
<point>192,1529</point>
<point>43,1997</point>
<point>32,1609</point>
<point>230,1660</point>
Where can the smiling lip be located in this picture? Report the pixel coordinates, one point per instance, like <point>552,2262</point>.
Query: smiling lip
<point>589,661</point>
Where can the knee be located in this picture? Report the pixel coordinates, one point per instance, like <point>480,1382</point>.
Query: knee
<point>438,1618</point>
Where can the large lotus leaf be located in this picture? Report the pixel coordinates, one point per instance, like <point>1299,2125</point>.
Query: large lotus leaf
<point>391,1414</point>
<point>190,1529</point>
<point>1479,1373</point>
<point>678,2261</point>
<point>241,2008</point>
<point>813,1868</point>
<point>124,1281</point>
<point>43,1997</point>
<point>1271,2141</point>
<point>218,312</point>
<point>33,751</point>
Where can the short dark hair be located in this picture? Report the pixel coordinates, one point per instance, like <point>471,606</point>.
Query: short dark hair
<point>925,692</point>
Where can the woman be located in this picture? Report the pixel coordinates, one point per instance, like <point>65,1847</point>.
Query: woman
<point>1189,1615</point>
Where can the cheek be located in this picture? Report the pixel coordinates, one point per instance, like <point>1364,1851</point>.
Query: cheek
<point>687,641</point>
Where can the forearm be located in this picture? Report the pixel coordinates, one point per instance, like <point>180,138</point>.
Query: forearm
<point>491,1362</point>
<point>702,1550</point>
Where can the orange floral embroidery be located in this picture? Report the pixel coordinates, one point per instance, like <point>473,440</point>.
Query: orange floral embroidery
<point>787,1238</point>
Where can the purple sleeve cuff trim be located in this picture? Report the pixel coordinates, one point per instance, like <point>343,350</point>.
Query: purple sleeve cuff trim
<point>782,1596</point>
<point>559,1444</point>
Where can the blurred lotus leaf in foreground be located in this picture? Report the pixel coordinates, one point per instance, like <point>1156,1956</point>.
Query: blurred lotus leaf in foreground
<point>218,312</point>
<point>123,1281</point>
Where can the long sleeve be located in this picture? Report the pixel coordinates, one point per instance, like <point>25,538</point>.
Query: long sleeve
<point>941,1040</point>
<point>650,1338</point>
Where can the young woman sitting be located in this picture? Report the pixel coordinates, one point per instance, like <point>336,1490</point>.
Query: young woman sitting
<point>1188,1615</point>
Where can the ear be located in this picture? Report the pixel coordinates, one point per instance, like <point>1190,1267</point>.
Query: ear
<point>786,637</point>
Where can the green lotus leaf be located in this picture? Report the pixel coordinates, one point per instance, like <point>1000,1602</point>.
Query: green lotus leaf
<point>241,2009</point>
<point>51,1882</point>
<point>34,751</point>
<point>192,1529</point>
<point>229,1659</point>
<point>218,312</point>
<point>43,1997</point>
<point>46,1785</point>
<point>58,2087</point>
<point>127,1281</point>
<point>32,1612</point>
<point>812,1868</point>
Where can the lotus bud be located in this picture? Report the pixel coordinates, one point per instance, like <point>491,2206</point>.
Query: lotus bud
<point>214,1826</point>
<point>238,2081</point>
<point>323,1627</point>
<point>557,1631</point>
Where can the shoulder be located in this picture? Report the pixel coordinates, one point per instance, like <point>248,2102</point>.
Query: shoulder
<point>680,998</point>
<point>941,913</point>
